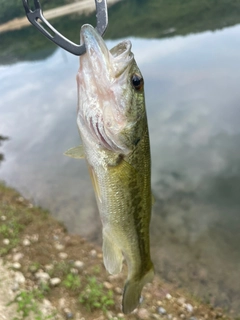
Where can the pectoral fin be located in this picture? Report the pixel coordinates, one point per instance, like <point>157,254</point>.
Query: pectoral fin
<point>112,255</point>
<point>75,152</point>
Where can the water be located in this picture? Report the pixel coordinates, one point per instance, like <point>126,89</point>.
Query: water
<point>193,104</point>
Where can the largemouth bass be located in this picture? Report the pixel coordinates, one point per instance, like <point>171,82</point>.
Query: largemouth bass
<point>113,127</point>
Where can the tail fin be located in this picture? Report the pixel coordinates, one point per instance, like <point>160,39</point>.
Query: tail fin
<point>132,291</point>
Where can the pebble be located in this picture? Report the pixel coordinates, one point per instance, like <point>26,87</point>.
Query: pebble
<point>118,290</point>
<point>143,313</point>
<point>6,242</point>
<point>193,318</point>
<point>42,276</point>
<point>162,311</point>
<point>168,296</point>
<point>47,303</point>
<point>78,264</point>
<point>59,246</point>
<point>17,256</point>
<point>16,265</point>
<point>68,313</point>
<point>35,237</point>
<point>182,316</point>
<point>49,267</point>
<point>93,253</point>
<point>120,315</point>
<point>55,281</point>
<point>62,303</point>
<point>188,307</point>
<point>107,285</point>
<point>109,315</point>
<point>63,255</point>
<point>181,301</point>
<point>19,277</point>
<point>3,218</point>
<point>15,286</point>
<point>26,242</point>
<point>74,270</point>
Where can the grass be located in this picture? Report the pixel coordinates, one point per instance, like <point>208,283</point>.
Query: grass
<point>94,296</point>
<point>28,304</point>
<point>10,229</point>
<point>72,282</point>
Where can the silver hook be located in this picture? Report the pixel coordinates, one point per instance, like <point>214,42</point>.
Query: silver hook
<point>36,15</point>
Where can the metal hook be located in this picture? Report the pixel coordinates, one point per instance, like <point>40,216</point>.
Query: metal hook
<point>36,15</point>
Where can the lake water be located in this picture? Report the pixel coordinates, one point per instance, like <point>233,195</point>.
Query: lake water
<point>193,104</point>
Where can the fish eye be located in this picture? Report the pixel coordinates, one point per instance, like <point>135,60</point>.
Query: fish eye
<point>137,82</point>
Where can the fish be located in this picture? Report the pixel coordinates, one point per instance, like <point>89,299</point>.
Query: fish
<point>112,123</point>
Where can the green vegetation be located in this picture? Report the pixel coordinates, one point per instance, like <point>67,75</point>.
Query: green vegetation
<point>95,297</point>
<point>28,304</point>
<point>138,18</point>
<point>9,230</point>
<point>72,281</point>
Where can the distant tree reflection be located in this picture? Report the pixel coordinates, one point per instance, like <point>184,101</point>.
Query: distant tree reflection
<point>2,138</point>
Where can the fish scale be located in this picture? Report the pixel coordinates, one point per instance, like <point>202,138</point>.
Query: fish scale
<point>116,148</point>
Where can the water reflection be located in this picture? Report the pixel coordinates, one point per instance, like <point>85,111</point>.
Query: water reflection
<point>2,138</point>
<point>193,109</point>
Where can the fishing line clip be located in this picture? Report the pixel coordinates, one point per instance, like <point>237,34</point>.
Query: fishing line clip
<point>35,16</point>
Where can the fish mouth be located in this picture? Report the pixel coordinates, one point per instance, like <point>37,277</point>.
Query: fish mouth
<point>102,61</point>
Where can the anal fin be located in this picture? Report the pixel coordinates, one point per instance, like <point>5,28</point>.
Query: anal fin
<point>112,255</point>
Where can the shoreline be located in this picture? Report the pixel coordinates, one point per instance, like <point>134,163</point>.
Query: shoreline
<point>81,7</point>
<point>38,255</point>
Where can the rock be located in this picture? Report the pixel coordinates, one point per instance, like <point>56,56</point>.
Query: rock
<point>62,303</point>
<point>55,281</point>
<point>143,313</point>
<point>6,242</point>
<point>42,276</point>
<point>19,277</point>
<point>68,313</point>
<point>182,316</point>
<point>59,246</point>
<point>188,307</point>
<point>63,255</point>
<point>118,290</point>
<point>109,315</point>
<point>74,270</point>
<point>78,264</point>
<point>15,286</point>
<point>16,265</point>
<point>35,237</point>
<point>3,218</point>
<point>168,296</point>
<point>26,242</point>
<point>193,318</point>
<point>17,256</point>
<point>49,267</point>
<point>107,285</point>
<point>93,253</point>
<point>162,311</point>
<point>181,301</point>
